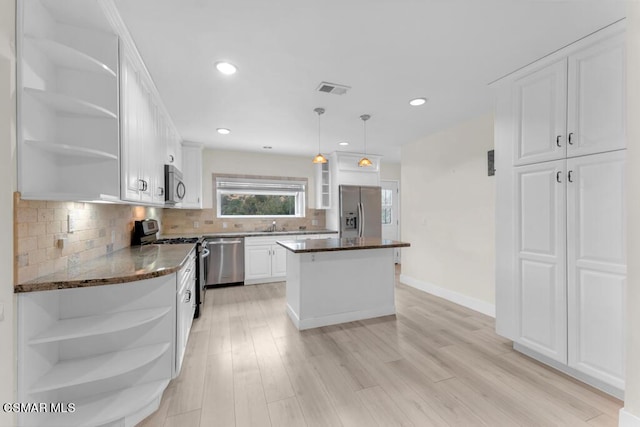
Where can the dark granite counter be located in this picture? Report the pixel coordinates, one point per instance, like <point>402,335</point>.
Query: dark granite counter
<point>126,265</point>
<point>347,244</point>
<point>252,233</point>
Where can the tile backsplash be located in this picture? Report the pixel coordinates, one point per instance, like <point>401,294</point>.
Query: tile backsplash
<point>44,243</point>
<point>183,221</point>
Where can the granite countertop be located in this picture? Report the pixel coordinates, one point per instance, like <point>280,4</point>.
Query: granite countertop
<point>250,233</point>
<point>346,244</point>
<point>126,265</point>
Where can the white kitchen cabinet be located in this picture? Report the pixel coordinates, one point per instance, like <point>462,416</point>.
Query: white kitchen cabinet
<point>68,134</point>
<point>185,307</point>
<point>192,174</point>
<point>560,237</point>
<point>108,349</point>
<point>572,105</point>
<point>541,258</point>
<point>144,135</point>
<point>540,105</point>
<point>596,266</point>
<point>278,261</point>
<point>257,258</point>
<point>265,260</point>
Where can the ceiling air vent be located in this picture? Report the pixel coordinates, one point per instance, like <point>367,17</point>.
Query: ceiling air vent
<point>333,88</point>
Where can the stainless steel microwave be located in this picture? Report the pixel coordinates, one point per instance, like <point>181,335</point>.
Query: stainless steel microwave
<point>175,189</point>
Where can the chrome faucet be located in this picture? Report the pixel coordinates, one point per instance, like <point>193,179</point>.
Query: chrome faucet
<point>273,226</point>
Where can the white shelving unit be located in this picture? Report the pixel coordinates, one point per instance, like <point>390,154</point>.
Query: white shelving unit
<point>68,127</point>
<point>323,185</point>
<point>109,349</point>
<point>79,327</point>
<point>111,407</point>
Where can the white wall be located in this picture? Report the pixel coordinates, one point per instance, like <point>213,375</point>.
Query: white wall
<point>632,386</point>
<point>390,171</point>
<point>246,163</point>
<point>7,186</point>
<point>447,214</point>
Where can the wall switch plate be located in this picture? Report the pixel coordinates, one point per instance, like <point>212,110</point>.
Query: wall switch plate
<point>225,225</point>
<point>196,224</point>
<point>71,223</point>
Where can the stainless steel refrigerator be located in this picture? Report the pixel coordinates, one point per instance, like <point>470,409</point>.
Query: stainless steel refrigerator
<point>360,211</point>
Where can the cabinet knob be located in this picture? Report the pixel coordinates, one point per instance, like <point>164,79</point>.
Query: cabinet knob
<point>570,138</point>
<point>160,191</point>
<point>569,176</point>
<point>171,158</point>
<point>558,176</point>
<point>142,185</point>
<point>558,140</point>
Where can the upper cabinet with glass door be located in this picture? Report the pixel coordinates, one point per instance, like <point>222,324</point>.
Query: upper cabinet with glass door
<point>573,105</point>
<point>68,134</point>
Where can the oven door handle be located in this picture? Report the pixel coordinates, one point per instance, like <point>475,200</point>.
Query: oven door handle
<point>205,252</point>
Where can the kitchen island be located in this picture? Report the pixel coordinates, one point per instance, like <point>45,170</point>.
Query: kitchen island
<point>332,281</point>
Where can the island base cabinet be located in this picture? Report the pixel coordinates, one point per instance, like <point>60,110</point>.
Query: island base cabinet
<point>327,288</point>
<point>108,349</point>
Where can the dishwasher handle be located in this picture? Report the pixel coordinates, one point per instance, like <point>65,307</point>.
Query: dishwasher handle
<point>224,242</point>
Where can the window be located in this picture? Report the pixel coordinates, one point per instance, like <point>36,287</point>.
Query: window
<point>256,197</point>
<point>387,204</point>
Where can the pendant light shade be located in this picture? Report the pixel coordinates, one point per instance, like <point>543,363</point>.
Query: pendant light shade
<point>319,158</point>
<point>364,162</point>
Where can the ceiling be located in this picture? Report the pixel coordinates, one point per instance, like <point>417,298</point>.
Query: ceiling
<point>387,51</point>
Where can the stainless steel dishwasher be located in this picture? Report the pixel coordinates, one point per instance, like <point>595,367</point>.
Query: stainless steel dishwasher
<point>226,261</point>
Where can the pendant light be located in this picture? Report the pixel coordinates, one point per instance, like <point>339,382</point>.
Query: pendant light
<point>319,158</point>
<point>364,162</point>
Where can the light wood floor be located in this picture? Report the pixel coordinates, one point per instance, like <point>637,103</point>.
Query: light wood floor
<point>435,363</point>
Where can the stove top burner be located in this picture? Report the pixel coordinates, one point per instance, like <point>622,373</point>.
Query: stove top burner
<point>175,241</point>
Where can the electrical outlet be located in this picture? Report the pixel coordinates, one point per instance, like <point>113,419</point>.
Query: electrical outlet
<point>196,224</point>
<point>314,222</point>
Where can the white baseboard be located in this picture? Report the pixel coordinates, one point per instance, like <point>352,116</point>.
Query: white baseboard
<point>627,419</point>
<point>453,296</point>
<point>334,319</point>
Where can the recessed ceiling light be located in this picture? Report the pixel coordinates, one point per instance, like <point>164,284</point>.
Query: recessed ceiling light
<point>267,147</point>
<point>226,68</point>
<point>417,101</point>
<point>343,143</point>
<point>223,131</point>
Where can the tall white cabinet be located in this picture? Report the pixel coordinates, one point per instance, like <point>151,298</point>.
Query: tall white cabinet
<point>560,159</point>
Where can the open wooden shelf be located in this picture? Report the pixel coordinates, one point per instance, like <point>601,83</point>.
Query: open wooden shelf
<point>68,57</point>
<point>69,104</point>
<point>71,150</point>
<point>80,327</point>
<point>74,372</point>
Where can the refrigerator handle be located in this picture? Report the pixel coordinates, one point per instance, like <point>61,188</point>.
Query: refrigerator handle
<point>361,222</point>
